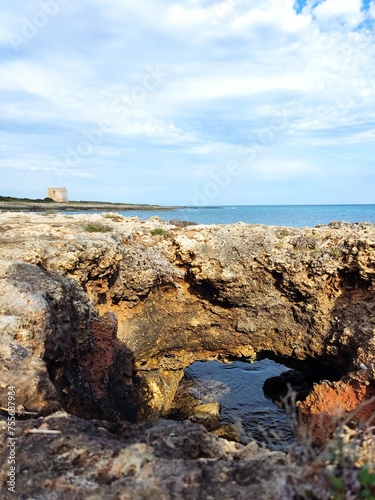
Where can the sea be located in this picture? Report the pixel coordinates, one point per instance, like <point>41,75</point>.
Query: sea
<point>238,387</point>
<point>274,215</point>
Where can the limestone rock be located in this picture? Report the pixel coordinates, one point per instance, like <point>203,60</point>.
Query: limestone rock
<point>205,292</point>
<point>93,459</point>
<point>182,223</point>
<point>207,414</point>
<point>227,432</point>
<point>56,350</point>
<point>100,324</point>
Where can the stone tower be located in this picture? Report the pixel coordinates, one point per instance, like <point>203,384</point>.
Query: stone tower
<point>58,194</point>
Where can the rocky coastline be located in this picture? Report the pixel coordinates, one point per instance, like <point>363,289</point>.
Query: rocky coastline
<point>100,315</point>
<point>76,206</point>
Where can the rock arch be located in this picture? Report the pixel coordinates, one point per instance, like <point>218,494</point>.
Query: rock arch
<point>200,293</point>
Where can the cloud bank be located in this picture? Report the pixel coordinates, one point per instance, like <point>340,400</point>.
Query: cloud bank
<point>149,101</point>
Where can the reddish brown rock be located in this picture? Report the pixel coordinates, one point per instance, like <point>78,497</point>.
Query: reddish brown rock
<point>57,351</point>
<point>329,404</point>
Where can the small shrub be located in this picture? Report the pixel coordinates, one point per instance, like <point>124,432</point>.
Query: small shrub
<point>113,217</point>
<point>97,227</point>
<point>362,479</point>
<point>161,232</point>
<point>341,469</point>
<point>367,482</point>
<point>305,242</point>
<point>334,252</point>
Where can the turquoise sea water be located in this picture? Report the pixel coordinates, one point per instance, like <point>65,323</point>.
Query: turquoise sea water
<point>274,215</point>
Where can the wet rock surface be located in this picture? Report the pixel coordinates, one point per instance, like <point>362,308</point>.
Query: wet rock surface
<point>103,324</point>
<point>289,381</point>
<point>207,414</point>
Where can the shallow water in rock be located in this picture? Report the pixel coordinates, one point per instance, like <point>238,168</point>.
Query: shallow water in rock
<point>238,388</point>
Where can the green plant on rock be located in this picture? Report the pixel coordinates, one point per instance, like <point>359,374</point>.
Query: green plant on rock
<point>334,252</point>
<point>367,482</point>
<point>305,242</point>
<point>341,469</point>
<point>349,474</point>
<point>283,233</point>
<point>338,488</point>
<point>363,477</point>
<point>113,217</point>
<point>97,227</point>
<point>159,231</point>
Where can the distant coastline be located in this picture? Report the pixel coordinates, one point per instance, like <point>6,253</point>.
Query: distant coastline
<point>10,204</point>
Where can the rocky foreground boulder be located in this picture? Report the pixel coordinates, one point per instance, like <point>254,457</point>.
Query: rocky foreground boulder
<point>100,315</point>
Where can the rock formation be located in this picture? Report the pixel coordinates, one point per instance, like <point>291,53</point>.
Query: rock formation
<point>102,324</point>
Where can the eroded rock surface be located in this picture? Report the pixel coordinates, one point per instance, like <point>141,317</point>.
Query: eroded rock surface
<point>57,351</point>
<point>206,291</point>
<point>102,324</point>
<point>92,460</point>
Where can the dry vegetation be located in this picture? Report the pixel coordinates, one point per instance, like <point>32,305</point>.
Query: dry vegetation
<point>342,469</point>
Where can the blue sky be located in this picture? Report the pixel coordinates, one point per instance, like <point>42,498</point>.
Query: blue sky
<point>189,102</point>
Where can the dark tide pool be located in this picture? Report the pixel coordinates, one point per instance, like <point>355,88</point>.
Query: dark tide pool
<point>238,387</point>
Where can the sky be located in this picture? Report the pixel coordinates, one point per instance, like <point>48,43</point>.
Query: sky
<point>193,102</point>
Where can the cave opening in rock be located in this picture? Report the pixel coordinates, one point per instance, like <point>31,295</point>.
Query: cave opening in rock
<point>257,399</point>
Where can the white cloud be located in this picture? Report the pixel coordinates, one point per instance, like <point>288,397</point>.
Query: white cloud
<point>45,165</point>
<point>345,11</point>
<point>178,14</point>
<point>279,13</point>
<point>229,71</point>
